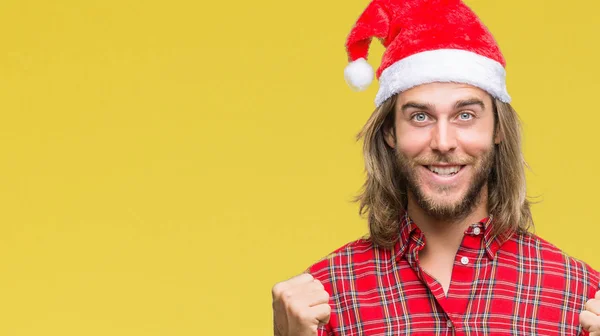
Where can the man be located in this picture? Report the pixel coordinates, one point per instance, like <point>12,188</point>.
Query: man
<point>449,251</point>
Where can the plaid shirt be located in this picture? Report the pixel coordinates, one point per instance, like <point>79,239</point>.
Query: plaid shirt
<point>519,286</point>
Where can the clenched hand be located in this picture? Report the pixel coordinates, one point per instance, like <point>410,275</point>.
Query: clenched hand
<point>589,319</point>
<point>300,306</point>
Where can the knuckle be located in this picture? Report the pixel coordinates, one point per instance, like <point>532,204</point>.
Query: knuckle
<point>277,289</point>
<point>292,306</point>
<point>307,276</point>
<point>287,295</point>
<point>588,303</point>
<point>593,306</point>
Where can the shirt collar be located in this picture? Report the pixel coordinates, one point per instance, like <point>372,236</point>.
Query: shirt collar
<point>407,229</point>
<point>410,231</point>
<point>492,242</point>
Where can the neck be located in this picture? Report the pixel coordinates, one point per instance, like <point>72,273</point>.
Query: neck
<point>446,234</point>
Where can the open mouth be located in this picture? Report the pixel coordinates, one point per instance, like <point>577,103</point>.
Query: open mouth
<point>445,170</point>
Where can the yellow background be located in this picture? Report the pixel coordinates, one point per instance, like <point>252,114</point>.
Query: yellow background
<point>164,163</point>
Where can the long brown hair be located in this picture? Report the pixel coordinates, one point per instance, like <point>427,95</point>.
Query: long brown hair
<point>384,194</point>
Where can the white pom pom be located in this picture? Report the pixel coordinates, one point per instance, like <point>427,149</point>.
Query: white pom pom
<point>359,74</point>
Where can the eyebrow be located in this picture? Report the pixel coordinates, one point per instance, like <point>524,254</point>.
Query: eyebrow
<point>468,102</point>
<point>416,106</point>
<point>457,105</point>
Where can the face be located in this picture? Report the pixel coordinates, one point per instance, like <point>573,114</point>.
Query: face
<point>444,143</point>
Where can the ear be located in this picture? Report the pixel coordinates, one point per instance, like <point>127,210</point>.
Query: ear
<point>499,136</point>
<point>498,131</point>
<point>390,136</point>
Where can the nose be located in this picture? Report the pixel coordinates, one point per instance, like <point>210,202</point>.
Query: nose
<point>443,138</point>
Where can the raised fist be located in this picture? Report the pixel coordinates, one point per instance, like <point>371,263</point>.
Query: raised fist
<point>300,306</point>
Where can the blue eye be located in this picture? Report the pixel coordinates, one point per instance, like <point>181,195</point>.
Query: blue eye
<point>465,116</point>
<point>420,117</point>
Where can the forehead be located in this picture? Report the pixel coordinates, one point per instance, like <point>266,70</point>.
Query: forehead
<point>442,94</point>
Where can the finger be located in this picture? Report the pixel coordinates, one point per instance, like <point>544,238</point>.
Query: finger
<point>597,296</point>
<point>589,321</point>
<point>310,294</point>
<point>317,297</point>
<point>317,285</point>
<point>309,286</point>
<point>593,305</point>
<point>586,319</point>
<point>322,313</point>
<point>300,279</point>
<point>285,286</point>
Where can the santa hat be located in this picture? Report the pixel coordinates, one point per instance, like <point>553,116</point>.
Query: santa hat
<point>426,41</point>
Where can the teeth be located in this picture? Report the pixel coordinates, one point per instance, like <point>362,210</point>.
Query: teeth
<point>449,170</point>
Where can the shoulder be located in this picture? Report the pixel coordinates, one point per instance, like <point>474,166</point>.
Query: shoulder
<point>530,248</point>
<point>350,259</point>
<point>533,246</point>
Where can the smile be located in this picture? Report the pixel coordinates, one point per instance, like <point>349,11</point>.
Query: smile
<point>444,170</point>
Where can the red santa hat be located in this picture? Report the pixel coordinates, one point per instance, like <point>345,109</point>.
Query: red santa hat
<point>426,41</point>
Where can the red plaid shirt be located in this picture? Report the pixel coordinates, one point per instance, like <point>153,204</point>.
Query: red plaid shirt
<point>522,286</point>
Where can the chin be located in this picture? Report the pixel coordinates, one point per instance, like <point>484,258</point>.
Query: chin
<point>443,198</point>
<point>444,203</point>
<point>445,194</point>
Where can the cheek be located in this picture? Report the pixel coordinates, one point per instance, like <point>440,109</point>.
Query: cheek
<point>475,143</point>
<point>412,142</point>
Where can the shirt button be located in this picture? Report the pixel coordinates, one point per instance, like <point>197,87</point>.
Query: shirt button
<point>476,231</point>
<point>464,260</point>
<point>449,324</point>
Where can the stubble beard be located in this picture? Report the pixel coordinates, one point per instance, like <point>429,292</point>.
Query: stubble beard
<point>443,210</point>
